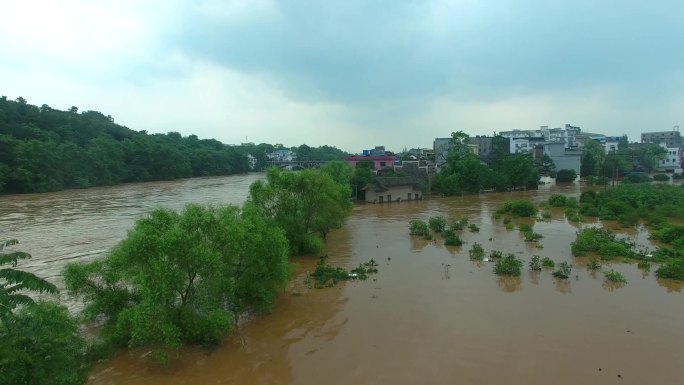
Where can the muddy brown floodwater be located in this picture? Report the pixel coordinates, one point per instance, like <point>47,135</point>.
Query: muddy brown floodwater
<point>430,316</point>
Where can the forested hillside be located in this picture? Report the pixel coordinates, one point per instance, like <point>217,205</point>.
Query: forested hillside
<point>44,149</point>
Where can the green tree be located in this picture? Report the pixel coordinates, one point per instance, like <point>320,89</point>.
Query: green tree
<point>14,281</point>
<point>182,277</point>
<point>566,175</point>
<point>361,177</point>
<point>593,156</point>
<point>42,345</point>
<point>623,143</point>
<point>306,204</point>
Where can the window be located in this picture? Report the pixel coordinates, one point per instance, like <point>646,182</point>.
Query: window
<point>409,196</point>
<point>381,197</point>
<point>389,197</point>
<point>383,164</point>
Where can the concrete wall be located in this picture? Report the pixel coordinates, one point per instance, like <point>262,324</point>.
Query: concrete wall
<point>397,193</point>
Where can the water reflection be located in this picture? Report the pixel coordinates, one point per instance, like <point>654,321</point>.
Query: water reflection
<point>563,286</point>
<point>612,286</point>
<point>670,285</point>
<point>509,284</point>
<point>534,276</point>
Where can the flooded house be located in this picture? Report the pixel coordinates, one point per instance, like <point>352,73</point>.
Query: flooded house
<point>393,189</point>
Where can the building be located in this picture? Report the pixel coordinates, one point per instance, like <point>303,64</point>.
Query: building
<point>610,143</point>
<point>379,162</point>
<point>673,158</point>
<point>526,140</point>
<point>563,158</point>
<point>670,138</point>
<point>393,189</point>
<point>441,147</point>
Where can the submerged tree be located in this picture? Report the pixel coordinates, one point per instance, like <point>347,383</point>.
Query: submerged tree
<point>306,204</point>
<point>182,277</point>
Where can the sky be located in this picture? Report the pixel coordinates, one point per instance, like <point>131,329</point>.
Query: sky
<point>353,74</point>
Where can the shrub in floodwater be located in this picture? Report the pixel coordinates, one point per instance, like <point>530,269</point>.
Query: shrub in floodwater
<point>661,177</point>
<point>452,239</point>
<point>672,269</point>
<point>495,254</point>
<point>327,276</point>
<point>546,214</point>
<point>437,223</point>
<point>506,220</point>
<point>614,276</point>
<point>524,227</point>
<point>600,241</point>
<point>571,202</point>
<point>459,224</point>
<point>418,227</point>
<point>558,200</point>
<point>548,262</point>
<point>644,265</point>
<point>535,263</point>
<point>520,208</point>
<point>564,270</point>
<point>473,228</point>
<point>531,236</point>
<point>508,265</point>
<point>510,226</point>
<point>476,252</point>
<point>573,215</point>
<point>594,264</point>
<point>566,175</point>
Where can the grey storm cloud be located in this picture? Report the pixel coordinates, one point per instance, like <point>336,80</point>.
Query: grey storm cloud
<point>368,51</point>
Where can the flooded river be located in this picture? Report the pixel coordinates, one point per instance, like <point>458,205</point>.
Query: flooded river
<point>430,316</point>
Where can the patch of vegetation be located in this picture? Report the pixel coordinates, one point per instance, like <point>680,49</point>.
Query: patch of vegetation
<point>327,276</point>
<point>519,208</point>
<point>506,220</point>
<point>452,239</point>
<point>594,264</point>
<point>546,214</point>
<point>524,227</point>
<point>672,269</point>
<point>636,178</point>
<point>418,227</point>
<point>644,265</point>
<point>602,242</point>
<point>437,223</point>
<point>473,228</point>
<point>572,215</point>
<point>614,276</point>
<point>459,224</point>
<point>564,270</point>
<point>510,226</point>
<point>508,265</point>
<point>531,236</point>
<point>495,254</point>
<point>566,175</point>
<point>558,200</point>
<point>535,263</point>
<point>476,252</point>
<point>661,177</point>
<point>548,262</point>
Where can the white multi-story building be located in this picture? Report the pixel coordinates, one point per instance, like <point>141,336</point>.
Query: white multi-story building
<point>673,158</point>
<point>524,140</point>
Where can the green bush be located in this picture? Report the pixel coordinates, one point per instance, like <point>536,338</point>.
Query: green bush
<point>437,223</point>
<point>672,269</point>
<point>644,265</point>
<point>594,264</point>
<point>459,224</point>
<point>477,252</point>
<point>524,227</point>
<point>535,263</point>
<point>531,236</point>
<point>661,177</point>
<point>418,227</point>
<point>495,254</point>
<point>508,265</point>
<point>452,239</point>
<point>564,270</point>
<point>614,276</point>
<point>520,208</point>
<point>572,215</point>
<point>636,178</point>
<point>566,175</point>
<point>473,228</point>
<point>600,241</point>
<point>548,262</point>
<point>558,200</point>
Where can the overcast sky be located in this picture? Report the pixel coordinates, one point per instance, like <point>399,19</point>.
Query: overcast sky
<point>354,74</point>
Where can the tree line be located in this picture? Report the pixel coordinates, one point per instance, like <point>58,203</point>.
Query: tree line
<point>177,278</point>
<point>465,173</point>
<point>44,149</point>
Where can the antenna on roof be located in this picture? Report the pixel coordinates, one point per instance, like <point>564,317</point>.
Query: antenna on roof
<point>676,127</point>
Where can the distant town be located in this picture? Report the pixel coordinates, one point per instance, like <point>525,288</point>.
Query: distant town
<point>563,145</point>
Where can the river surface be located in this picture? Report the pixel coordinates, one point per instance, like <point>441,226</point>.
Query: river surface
<point>430,316</point>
